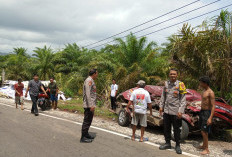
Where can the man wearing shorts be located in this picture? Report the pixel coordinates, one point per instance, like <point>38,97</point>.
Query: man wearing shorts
<point>140,99</point>
<point>206,113</point>
<point>19,93</point>
<point>52,87</point>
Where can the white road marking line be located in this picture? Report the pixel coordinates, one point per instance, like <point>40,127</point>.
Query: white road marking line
<point>101,129</point>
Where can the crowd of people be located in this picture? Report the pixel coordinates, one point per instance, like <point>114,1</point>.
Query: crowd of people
<point>34,87</point>
<point>171,107</point>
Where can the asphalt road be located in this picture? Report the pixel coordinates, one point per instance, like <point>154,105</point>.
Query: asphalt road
<point>24,135</point>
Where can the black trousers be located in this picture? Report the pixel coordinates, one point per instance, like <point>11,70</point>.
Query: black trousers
<point>34,100</point>
<point>176,123</point>
<point>113,102</point>
<point>88,118</point>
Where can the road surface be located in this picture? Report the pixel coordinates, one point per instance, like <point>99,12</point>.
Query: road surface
<point>24,135</point>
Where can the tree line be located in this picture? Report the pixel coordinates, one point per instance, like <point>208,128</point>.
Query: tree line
<point>195,51</point>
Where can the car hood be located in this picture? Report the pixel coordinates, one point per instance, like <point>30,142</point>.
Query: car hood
<point>156,91</point>
<point>191,96</point>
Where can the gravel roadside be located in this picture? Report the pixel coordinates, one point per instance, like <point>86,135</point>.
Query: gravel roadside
<point>154,134</point>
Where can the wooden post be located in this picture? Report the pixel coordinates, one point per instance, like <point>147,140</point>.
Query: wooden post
<point>3,75</point>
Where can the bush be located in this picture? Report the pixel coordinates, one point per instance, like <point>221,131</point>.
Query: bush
<point>229,98</point>
<point>68,92</point>
<point>100,103</point>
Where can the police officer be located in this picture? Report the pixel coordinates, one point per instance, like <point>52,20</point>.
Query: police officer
<point>89,104</point>
<point>173,104</point>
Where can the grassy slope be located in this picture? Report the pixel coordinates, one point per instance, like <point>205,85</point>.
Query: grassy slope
<point>76,105</point>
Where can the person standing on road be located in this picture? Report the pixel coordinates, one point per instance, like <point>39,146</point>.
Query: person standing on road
<point>33,88</point>
<point>113,94</point>
<point>89,104</point>
<point>140,99</point>
<point>173,102</point>
<point>207,112</point>
<point>53,89</point>
<point>19,93</point>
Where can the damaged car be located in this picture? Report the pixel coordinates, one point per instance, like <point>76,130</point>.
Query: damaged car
<point>222,118</point>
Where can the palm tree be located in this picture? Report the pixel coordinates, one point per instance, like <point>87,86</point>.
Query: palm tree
<point>43,62</point>
<point>205,50</point>
<point>71,67</point>
<point>16,64</point>
<point>20,51</point>
<point>133,59</point>
<point>69,59</point>
<point>223,23</point>
<point>133,50</point>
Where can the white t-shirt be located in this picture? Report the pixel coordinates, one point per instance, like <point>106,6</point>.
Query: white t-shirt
<point>114,88</point>
<point>140,98</point>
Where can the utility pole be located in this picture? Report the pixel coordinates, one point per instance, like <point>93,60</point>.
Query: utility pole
<point>3,75</point>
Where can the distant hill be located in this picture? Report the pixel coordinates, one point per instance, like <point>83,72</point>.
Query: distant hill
<point>3,54</point>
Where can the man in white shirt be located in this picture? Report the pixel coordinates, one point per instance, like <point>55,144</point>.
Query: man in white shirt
<point>140,99</point>
<point>113,94</point>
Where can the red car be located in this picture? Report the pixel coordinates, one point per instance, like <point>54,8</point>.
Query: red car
<point>222,117</point>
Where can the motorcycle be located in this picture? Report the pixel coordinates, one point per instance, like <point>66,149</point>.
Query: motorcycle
<point>44,101</point>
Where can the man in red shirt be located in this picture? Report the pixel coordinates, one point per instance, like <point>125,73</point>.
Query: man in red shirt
<point>19,93</point>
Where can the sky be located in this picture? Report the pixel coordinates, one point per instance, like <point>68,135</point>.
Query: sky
<point>35,23</point>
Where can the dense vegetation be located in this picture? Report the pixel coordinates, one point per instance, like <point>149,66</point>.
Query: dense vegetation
<point>204,50</point>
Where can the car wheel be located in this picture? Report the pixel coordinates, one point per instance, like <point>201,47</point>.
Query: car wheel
<point>123,118</point>
<point>184,131</point>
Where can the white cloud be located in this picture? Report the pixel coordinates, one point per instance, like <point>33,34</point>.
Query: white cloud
<point>33,23</point>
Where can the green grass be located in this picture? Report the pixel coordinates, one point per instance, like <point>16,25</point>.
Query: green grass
<point>76,105</point>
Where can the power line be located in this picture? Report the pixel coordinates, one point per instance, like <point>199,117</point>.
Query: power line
<point>142,24</point>
<point>175,17</point>
<point>170,25</point>
<point>168,19</point>
<point>162,22</point>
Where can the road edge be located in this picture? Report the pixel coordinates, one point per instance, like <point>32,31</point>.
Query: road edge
<point>101,129</point>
